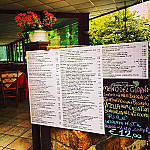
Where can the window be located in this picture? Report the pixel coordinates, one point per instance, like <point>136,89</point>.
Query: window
<point>3,53</point>
<point>66,34</point>
<point>69,35</point>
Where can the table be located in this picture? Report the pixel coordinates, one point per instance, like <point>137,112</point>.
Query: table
<point>23,84</point>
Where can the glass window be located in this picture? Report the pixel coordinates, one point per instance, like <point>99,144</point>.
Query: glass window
<point>65,32</point>
<point>3,53</point>
<point>14,52</point>
<point>65,36</point>
<point>18,52</point>
<point>74,34</point>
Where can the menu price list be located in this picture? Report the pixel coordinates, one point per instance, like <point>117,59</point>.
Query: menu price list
<point>81,93</point>
<point>72,94</point>
<point>127,60</point>
<point>43,89</point>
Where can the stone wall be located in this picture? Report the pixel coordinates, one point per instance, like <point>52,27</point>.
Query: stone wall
<point>63,139</point>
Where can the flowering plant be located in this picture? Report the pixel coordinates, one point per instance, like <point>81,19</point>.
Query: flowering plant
<point>28,22</point>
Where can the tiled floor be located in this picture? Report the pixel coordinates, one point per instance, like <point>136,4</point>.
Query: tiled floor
<point>15,127</point>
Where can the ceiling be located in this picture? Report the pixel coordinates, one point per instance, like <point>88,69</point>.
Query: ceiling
<point>8,28</point>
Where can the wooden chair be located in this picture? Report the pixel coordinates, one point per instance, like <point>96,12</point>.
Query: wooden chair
<point>9,83</point>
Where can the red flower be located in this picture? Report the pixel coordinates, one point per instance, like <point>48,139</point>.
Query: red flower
<point>55,18</point>
<point>19,33</point>
<point>46,24</point>
<point>17,17</point>
<point>20,14</point>
<point>32,22</point>
<point>30,12</point>
<point>45,11</point>
<point>19,24</point>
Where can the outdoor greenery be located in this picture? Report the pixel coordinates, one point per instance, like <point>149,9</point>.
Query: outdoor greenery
<point>3,53</point>
<point>119,27</point>
<point>69,35</point>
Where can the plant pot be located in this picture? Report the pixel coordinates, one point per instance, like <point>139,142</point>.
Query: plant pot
<point>38,35</point>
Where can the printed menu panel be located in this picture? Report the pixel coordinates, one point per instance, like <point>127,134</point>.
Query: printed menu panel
<point>128,60</point>
<point>66,88</point>
<point>43,89</point>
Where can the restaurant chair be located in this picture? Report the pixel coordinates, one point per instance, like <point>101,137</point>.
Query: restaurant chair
<point>9,84</point>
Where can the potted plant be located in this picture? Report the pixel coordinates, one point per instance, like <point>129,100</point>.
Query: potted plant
<point>30,23</point>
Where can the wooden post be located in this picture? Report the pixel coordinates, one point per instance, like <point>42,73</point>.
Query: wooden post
<point>45,137</point>
<point>40,134</point>
<point>36,137</point>
<point>83,29</point>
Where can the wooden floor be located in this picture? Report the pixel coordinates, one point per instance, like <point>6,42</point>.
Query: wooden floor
<point>15,127</point>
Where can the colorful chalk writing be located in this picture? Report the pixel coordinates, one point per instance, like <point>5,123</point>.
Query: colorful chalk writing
<point>126,107</point>
<point>125,133</point>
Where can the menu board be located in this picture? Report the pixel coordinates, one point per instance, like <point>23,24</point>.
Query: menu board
<point>125,89</point>
<point>66,88</point>
<point>126,107</point>
<point>100,89</point>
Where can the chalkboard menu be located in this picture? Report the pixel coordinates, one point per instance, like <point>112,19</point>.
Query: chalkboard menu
<point>126,107</point>
<point>100,89</point>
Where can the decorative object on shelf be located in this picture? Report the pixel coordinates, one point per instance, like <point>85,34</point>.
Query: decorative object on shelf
<point>38,35</point>
<point>30,23</point>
